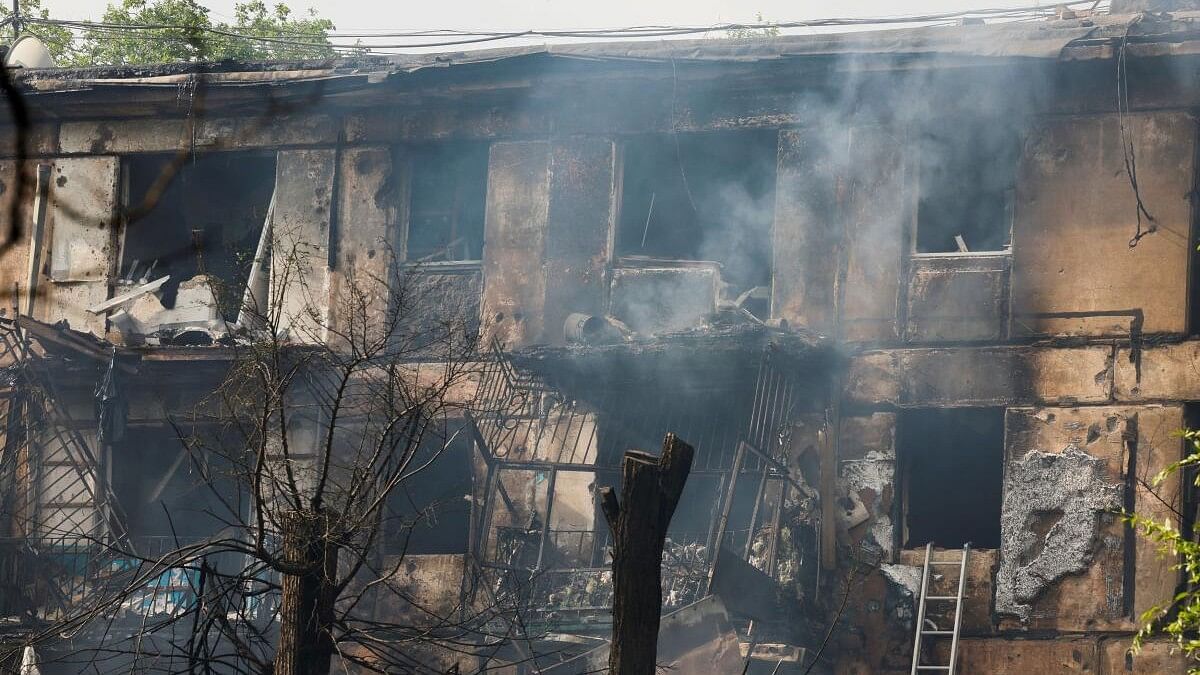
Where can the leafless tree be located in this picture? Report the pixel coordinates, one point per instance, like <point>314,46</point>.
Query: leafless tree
<point>321,418</point>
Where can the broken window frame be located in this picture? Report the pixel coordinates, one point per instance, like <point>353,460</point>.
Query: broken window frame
<point>623,259</point>
<point>411,156</point>
<point>124,197</point>
<point>918,176</point>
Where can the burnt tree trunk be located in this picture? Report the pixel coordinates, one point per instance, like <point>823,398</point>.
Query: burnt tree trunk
<point>650,489</point>
<point>306,609</point>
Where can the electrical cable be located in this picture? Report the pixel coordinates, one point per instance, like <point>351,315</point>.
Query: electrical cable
<point>99,30</point>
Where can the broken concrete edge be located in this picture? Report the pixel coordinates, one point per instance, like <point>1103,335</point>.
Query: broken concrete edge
<point>737,341</point>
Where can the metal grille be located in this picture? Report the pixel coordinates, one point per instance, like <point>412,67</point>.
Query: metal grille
<point>45,457</point>
<point>532,434</point>
<point>54,501</point>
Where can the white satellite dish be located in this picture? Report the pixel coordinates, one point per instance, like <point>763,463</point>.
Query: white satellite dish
<point>28,52</point>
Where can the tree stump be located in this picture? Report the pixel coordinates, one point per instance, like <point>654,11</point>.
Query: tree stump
<point>650,490</point>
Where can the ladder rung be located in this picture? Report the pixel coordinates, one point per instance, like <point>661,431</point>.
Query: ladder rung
<point>937,632</point>
<point>941,597</point>
<point>933,667</point>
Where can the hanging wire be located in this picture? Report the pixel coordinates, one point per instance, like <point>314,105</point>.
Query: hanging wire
<point>1127,148</point>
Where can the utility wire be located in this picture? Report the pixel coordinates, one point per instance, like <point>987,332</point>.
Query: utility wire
<point>84,30</point>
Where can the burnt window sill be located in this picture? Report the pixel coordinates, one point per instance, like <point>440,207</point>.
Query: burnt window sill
<point>443,266</point>
<point>638,262</point>
<point>1003,253</point>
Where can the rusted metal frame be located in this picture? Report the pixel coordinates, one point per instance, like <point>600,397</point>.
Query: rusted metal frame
<point>542,465</point>
<point>776,521</point>
<point>474,514</point>
<point>758,497</point>
<point>104,497</point>
<point>714,512</point>
<point>565,570</point>
<point>493,477</point>
<point>726,507</point>
<point>522,649</point>
<point>549,513</point>
<point>783,413</point>
<point>766,435</point>
<point>581,418</point>
<point>829,449</point>
<point>600,534</point>
<point>759,393</point>
<point>10,459</point>
<point>544,412</point>
<point>480,442</point>
<point>784,472</point>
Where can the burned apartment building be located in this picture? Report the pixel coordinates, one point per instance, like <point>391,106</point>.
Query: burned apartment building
<point>930,286</point>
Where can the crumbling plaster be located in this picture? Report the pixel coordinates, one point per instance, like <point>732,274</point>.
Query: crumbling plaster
<point>1065,491</point>
<point>1093,576</point>
<point>867,477</point>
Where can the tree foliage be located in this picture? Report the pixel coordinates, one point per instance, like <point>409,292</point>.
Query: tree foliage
<point>766,29</point>
<point>57,38</point>
<point>1178,619</point>
<point>140,32</point>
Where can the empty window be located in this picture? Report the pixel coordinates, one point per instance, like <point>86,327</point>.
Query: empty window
<point>967,177</point>
<point>430,512</point>
<point>164,493</point>
<point>207,221</point>
<point>701,197</point>
<point>448,191</point>
<point>952,467</point>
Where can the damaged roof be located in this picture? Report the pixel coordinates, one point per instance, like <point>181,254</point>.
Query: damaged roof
<point>1068,39</point>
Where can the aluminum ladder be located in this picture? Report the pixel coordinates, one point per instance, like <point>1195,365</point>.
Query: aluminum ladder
<point>933,630</point>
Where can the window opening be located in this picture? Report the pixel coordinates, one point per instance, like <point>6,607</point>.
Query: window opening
<point>207,222</point>
<point>446,205</point>
<point>967,177</point>
<point>952,462</point>
<point>704,196</point>
<point>429,513</point>
<point>154,475</point>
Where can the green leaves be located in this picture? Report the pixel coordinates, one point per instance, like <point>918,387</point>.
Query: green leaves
<point>57,38</point>
<point>143,32</point>
<point>1178,619</point>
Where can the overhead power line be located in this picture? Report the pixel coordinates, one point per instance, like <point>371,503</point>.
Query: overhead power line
<point>99,30</point>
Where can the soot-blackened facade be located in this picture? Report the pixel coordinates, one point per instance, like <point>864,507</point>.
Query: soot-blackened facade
<point>921,286</point>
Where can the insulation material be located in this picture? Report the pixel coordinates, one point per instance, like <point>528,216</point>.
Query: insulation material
<point>1056,506</point>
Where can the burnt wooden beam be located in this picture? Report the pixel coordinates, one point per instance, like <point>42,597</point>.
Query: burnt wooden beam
<point>650,491</point>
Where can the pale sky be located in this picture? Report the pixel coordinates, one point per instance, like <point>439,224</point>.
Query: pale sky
<point>360,16</point>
